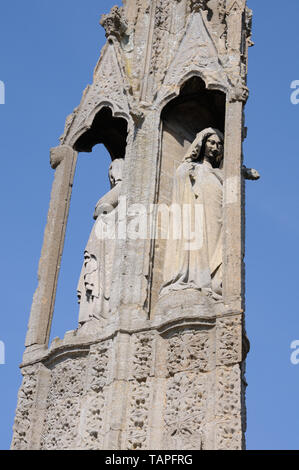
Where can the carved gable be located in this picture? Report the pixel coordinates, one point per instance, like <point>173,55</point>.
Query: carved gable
<point>197,54</point>
<point>108,89</point>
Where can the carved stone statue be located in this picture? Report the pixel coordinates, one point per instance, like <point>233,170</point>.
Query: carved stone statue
<point>193,258</point>
<point>95,279</point>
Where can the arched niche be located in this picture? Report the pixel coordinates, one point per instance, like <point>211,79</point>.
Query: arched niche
<point>108,130</point>
<point>193,110</point>
<point>88,189</point>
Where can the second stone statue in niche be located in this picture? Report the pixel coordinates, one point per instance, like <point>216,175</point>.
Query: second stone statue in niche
<point>95,279</point>
<point>198,191</point>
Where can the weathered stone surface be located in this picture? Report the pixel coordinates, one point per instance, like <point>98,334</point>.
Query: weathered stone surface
<point>95,280</point>
<point>94,410</point>
<point>185,412</point>
<point>64,160</point>
<point>25,410</point>
<point>61,424</point>
<point>150,368</point>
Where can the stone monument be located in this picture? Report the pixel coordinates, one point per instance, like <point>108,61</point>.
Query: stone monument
<point>158,358</point>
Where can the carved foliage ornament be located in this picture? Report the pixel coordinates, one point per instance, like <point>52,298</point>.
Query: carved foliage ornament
<point>140,391</point>
<point>215,7</point>
<point>97,380</point>
<point>62,414</point>
<point>23,419</point>
<point>197,5</point>
<point>138,415</point>
<point>114,23</point>
<point>143,344</point>
<point>229,341</point>
<point>185,412</point>
<point>188,350</point>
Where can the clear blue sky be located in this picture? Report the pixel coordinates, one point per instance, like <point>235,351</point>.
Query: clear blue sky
<point>48,52</point>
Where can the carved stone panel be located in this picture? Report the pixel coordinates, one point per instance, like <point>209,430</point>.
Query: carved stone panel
<point>229,435</point>
<point>229,428</point>
<point>61,424</point>
<point>185,413</point>
<point>191,364</point>
<point>190,349</point>
<point>228,392</point>
<point>160,45</point>
<point>142,355</point>
<point>140,391</point>
<point>229,340</point>
<point>25,409</point>
<point>139,409</point>
<point>98,377</point>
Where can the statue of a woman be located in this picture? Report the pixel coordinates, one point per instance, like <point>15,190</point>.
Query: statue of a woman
<point>95,279</point>
<point>193,260</point>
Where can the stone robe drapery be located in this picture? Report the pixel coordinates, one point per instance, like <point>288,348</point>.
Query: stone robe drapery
<point>194,259</point>
<point>96,275</point>
<point>95,279</point>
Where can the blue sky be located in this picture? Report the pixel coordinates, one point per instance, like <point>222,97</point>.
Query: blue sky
<point>48,52</point>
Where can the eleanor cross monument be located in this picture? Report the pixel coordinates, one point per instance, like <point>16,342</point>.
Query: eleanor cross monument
<point>158,358</point>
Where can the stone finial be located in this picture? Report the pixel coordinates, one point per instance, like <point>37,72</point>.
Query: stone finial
<point>114,22</point>
<point>197,5</point>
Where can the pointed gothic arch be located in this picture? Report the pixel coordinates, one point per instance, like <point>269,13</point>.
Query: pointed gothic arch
<point>194,109</point>
<point>104,129</point>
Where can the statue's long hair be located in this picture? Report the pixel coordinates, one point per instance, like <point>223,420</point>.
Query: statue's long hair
<point>197,148</point>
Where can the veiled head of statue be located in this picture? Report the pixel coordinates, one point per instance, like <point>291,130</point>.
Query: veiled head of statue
<point>208,145</point>
<point>214,149</point>
<point>116,171</point>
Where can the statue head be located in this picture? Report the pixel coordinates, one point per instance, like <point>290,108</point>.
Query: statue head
<point>116,171</point>
<point>208,145</point>
<point>213,150</point>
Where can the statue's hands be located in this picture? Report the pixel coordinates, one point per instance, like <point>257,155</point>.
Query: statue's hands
<point>102,209</point>
<point>108,202</point>
<point>193,155</point>
<point>250,174</point>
